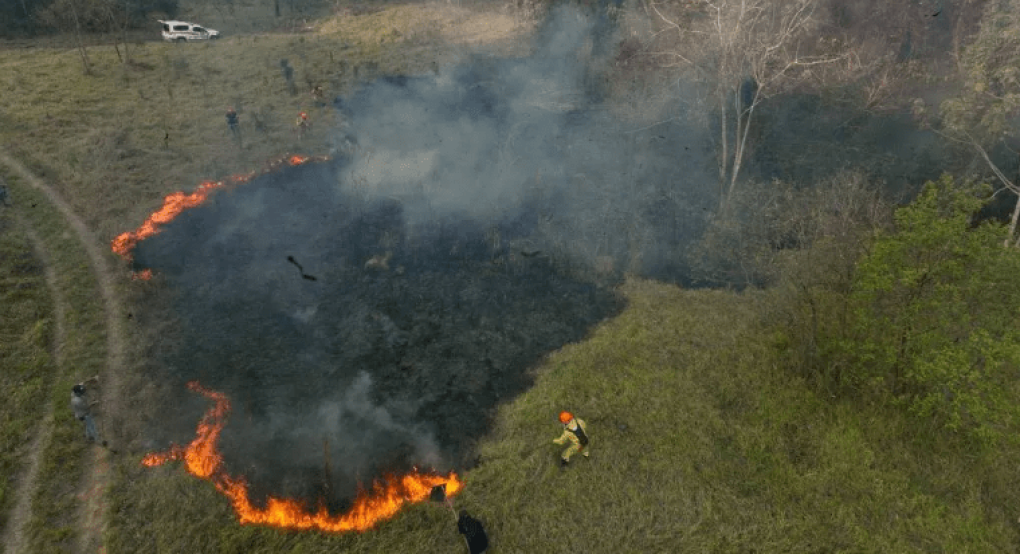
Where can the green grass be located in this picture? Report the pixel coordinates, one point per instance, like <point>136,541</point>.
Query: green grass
<point>700,443</point>
<point>52,526</point>
<point>702,440</point>
<point>115,142</point>
<point>127,136</point>
<point>26,334</point>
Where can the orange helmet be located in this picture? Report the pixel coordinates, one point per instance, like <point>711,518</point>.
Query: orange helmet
<point>304,115</point>
<point>565,417</point>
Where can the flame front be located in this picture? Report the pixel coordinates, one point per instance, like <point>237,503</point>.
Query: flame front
<point>177,202</point>
<point>370,507</point>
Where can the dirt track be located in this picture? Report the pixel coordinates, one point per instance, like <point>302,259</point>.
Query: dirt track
<point>97,478</point>
<point>14,536</point>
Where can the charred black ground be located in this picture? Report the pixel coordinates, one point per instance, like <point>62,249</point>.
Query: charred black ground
<point>396,354</point>
<point>372,311</point>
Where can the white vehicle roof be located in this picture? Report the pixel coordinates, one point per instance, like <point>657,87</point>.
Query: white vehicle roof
<point>177,22</point>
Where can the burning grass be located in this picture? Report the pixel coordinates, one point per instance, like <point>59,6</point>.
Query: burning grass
<point>699,439</point>
<point>145,133</point>
<point>203,460</point>
<point>405,340</point>
<point>176,202</point>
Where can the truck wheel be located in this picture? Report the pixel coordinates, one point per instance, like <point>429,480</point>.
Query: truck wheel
<point>180,39</point>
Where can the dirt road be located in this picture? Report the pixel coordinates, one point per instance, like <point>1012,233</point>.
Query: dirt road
<point>93,506</point>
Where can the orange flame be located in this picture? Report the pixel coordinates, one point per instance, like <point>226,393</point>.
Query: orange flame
<point>173,205</point>
<point>177,202</point>
<point>203,460</point>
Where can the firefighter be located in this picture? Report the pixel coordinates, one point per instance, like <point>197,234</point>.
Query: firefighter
<point>302,124</point>
<point>573,431</point>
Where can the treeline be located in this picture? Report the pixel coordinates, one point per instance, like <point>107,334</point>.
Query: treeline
<point>901,297</point>
<point>30,18</point>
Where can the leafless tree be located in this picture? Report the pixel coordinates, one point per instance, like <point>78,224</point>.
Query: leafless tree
<point>78,17</point>
<point>746,51</point>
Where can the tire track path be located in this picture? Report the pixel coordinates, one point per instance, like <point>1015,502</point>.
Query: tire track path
<point>92,518</point>
<point>14,534</point>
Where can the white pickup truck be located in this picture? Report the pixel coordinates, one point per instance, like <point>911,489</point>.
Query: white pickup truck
<point>182,31</point>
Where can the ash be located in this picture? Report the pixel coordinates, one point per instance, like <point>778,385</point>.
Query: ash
<point>369,314</point>
<point>397,355</point>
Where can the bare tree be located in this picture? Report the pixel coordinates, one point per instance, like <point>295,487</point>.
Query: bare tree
<point>747,51</point>
<point>78,17</point>
<point>984,113</point>
<point>118,20</point>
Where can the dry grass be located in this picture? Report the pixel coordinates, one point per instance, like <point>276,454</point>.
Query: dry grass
<point>128,135</point>
<point>52,525</point>
<point>26,333</point>
<point>701,441</point>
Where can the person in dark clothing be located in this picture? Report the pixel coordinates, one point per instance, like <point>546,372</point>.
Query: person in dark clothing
<point>82,409</point>
<point>233,123</point>
<point>473,532</point>
<point>288,75</point>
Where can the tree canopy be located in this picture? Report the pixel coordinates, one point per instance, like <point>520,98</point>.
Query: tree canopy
<point>935,318</point>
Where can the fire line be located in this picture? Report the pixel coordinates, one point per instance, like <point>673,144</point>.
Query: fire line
<point>177,202</point>
<point>203,460</point>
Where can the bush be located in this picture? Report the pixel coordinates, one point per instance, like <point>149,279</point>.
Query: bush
<point>933,320</point>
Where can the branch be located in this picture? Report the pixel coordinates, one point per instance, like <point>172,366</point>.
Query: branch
<point>984,154</point>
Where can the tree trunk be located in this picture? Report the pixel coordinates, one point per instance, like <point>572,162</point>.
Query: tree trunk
<point>738,150</point>
<point>86,66</point>
<point>723,160</point>
<point>276,6</point>
<point>1012,223</point>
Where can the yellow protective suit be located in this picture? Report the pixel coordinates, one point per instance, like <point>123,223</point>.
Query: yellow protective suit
<point>575,443</point>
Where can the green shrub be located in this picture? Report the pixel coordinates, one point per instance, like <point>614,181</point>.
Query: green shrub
<point>934,317</point>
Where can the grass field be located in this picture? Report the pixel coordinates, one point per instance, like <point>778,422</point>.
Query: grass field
<point>700,443</point>
<point>52,525</point>
<point>702,440</point>
<point>26,329</point>
<point>128,135</point>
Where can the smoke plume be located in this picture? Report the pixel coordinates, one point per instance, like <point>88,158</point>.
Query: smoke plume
<point>369,313</point>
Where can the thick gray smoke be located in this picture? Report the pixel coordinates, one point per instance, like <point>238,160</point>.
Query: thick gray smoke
<point>492,137</point>
<point>368,314</point>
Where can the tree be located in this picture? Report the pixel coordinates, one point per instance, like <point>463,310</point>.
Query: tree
<point>77,17</point>
<point>746,51</point>
<point>935,321</point>
<point>985,114</point>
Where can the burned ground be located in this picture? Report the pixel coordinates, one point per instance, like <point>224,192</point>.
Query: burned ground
<point>395,355</point>
<point>369,313</point>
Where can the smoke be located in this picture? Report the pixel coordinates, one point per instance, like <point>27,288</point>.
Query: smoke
<point>369,314</point>
<point>493,137</point>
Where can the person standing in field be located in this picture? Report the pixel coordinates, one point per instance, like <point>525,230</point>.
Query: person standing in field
<point>233,123</point>
<point>573,432</point>
<point>82,409</point>
<point>302,124</point>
